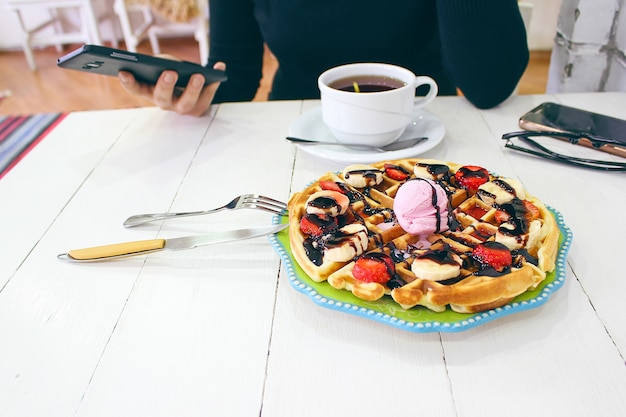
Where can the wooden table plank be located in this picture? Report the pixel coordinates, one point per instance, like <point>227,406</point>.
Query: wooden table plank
<point>197,324</point>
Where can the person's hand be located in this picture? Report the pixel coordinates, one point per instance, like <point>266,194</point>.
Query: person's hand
<point>194,100</point>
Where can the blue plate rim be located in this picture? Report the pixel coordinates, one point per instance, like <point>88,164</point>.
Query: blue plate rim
<point>472,320</point>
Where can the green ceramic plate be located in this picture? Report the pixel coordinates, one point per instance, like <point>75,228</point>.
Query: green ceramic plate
<point>418,319</point>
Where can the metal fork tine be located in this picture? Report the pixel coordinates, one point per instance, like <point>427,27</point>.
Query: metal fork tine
<point>256,198</point>
<point>264,206</point>
<point>259,199</point>
<point>259,207</point>
<point>265,200</point>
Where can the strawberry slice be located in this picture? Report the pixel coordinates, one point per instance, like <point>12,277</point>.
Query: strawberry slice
<point>331,186</point>
<point>531,210</point>
<point>374,267</point>
<point>316,226</point>
<point>396,172</point>
<point>502,216</point>
<point>493,255</point>
<point>471,177</point>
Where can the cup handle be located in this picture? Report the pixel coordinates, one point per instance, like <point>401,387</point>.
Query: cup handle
<point>432,92</point>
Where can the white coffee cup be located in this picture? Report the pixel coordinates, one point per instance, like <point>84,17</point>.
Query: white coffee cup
<point>373,118</point>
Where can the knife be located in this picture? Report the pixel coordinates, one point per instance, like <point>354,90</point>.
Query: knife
<point>141,247</point>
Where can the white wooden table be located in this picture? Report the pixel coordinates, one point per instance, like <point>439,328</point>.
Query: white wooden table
<point>219,331</point>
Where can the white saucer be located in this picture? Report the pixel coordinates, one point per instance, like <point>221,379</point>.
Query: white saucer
<point>311,126</point>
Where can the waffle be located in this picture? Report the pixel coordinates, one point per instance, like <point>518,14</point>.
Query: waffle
<point>344,223</point>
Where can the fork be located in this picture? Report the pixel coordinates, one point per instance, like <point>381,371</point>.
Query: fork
<point>249,201</point>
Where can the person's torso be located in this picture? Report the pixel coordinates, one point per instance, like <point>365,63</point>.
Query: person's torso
<point>308,37</point>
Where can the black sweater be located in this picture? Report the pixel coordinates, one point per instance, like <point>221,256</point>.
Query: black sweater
<point>478,46</point>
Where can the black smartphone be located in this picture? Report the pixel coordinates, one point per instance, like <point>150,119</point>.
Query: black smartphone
<point>558,118</point>
<point>109,61</point>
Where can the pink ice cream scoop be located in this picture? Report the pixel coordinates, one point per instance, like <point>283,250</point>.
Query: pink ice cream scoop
<point>421,207</point>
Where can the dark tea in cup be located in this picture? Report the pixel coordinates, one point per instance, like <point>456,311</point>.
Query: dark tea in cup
<point>366,83</point>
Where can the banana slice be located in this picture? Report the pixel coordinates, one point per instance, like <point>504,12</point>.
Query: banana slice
<point>431,169</point>
<point>361,176</point>
<point>346,243</point>
<point>437,265</point>
<point>529,240</point>
<point>327,203</point>
<point>501,191</point>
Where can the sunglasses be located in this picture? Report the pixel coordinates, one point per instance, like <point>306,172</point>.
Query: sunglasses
<point>537,149</point>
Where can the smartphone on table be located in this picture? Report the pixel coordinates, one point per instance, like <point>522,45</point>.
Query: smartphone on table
<point>145,68</point>
<point>555,117</point>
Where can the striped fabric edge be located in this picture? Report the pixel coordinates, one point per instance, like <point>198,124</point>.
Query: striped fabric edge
<point>20,134</point>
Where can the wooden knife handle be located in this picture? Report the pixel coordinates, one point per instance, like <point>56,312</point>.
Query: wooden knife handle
<point>117,249</point>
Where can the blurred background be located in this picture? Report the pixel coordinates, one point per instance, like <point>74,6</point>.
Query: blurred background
<point>556,31</point>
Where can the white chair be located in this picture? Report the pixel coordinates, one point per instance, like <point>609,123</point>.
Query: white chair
<point>153,27</point>
<point>38,35</point>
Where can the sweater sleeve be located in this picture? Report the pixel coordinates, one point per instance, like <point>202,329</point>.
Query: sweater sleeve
<point>236,40</point>
<point>484,47</point>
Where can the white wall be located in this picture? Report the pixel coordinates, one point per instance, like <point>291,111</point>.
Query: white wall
<point>540,37</point>
<point>543,24</point>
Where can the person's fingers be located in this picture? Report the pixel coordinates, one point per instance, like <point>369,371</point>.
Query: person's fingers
<point>204,100</point>
<point>195,99</point>
<point>127,80</point>
<point>188,100</point>
<point>163,94</point>
<point>131,85</point>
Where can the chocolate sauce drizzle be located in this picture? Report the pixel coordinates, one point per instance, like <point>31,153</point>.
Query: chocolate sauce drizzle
<point>324,203</point>
<point>470,173</point>
<point>352,195</point>
<point>370,174</point>
<point>314,250</point>
<point>505,186</point>
<point>518,219</point>
<point>441,171</point>
<point>520,255</point>
<point>440,256</point>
